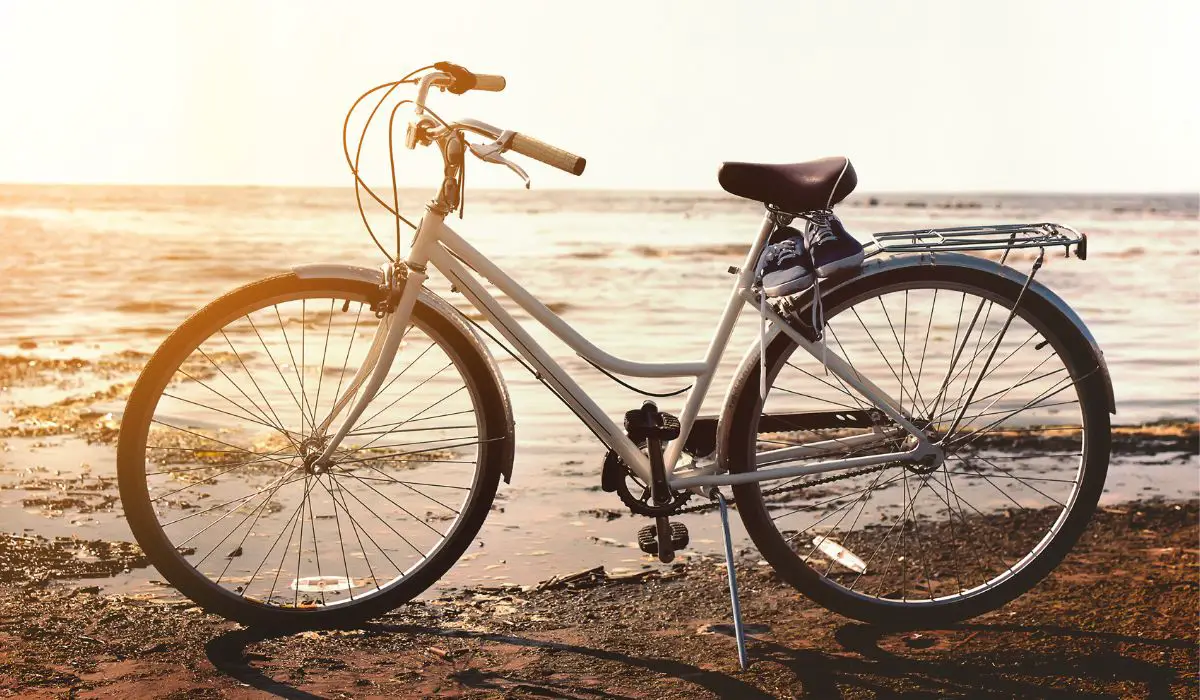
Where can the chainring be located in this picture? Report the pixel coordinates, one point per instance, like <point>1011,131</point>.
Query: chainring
<point>617,475</point>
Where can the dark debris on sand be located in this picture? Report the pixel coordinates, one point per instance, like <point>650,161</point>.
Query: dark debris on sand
<point>1117,619</point>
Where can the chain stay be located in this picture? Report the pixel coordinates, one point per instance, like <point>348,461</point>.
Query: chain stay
<point>786,489</point>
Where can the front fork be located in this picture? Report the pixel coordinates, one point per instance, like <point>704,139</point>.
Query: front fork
<point>382,353</point>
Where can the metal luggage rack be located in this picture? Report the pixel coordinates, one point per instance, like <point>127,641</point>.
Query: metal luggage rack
<point>979,238</point>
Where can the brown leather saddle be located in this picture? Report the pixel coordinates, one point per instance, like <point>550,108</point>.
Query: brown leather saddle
<point>795,187</point>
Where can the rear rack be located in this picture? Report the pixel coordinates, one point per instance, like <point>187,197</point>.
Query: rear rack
<point>978,238</point>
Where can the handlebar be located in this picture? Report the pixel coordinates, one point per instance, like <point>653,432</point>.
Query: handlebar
<point>550,155</point>
<point>459,80</point>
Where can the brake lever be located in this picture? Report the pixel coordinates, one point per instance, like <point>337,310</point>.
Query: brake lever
<point>490,153</point>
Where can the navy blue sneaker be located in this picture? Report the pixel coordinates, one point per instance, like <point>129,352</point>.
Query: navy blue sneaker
<point>785,267</point>
<point>834,251</point>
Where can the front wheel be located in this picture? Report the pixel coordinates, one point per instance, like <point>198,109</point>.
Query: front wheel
<point>1020,411</point>
<point>217,445</point>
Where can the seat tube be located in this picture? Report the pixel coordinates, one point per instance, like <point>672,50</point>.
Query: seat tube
<point>716,348</point>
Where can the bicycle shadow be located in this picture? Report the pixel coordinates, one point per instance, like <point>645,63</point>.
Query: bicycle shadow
<point>862,663</point>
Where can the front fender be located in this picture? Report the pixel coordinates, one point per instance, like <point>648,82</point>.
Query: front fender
<point>442,308</point>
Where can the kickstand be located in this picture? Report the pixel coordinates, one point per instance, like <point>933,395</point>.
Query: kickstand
<point>738,630</point>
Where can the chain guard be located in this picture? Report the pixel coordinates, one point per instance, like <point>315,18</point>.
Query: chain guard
<point>615,477</point>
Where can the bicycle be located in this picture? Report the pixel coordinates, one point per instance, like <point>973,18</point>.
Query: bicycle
<point>379,462</point>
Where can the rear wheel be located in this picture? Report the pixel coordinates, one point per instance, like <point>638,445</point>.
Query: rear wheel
<point>218,443</point>
<point>1026,438</point>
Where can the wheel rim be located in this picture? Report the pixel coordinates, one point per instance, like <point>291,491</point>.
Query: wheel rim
<point>934,535</point>
<point>231,468</point>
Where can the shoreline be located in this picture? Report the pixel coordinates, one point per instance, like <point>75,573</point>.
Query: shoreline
<point>1117,617</point>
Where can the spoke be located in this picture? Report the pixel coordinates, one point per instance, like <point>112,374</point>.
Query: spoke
<point>1012,313</point>
<point>418,413</point>
<point>942,393</point>
<point>324,355</point>
<point>294,520</point>
<point>977,474</point>
<point>367,422</point>
<point>407,512</point>
<point>414,452</point>
<point>385,522</point>
<point>1028,455</point>
<point>978,350</point>
<point>257,513</point>
<point>872,337</point>
<point>300,547</point>
<point>1019,383</point>
<point>962,519</point>
<point>250,375</point>
<point>1011,476</point>
<point>401,374</point>
<point>862,499</point>
<point>925,346</point>
<point>1005,410</point>
<point>413,483</point>
<point>337,393</point>
<point>352,450</point>
<point>413,430</point>
<point>991,483</point>
<point>903,356</point>
<point>405,485</point>
<point>312,421</point>
<point>247,497</point>
<point>213,439</point>
<point>840,496</point>
<point>841,389</point>
<point>808,396</point>
<point>900,521</point>
<point>967,439</point>
<point>354,525</point>
<point>254,417</point>
<point>1005,392</point>
<point>227,413</point>
<point>214,476</point>
<point>950,520</point>
<point>389,429</point>
<point>277,369</point>
<point>337,521</point>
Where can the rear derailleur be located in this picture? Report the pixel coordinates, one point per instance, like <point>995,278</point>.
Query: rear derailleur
<point>649,428</point>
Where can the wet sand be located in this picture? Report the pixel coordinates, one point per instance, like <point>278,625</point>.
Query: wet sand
<point>1118,618</point>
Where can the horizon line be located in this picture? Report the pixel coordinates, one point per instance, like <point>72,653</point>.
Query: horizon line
<point>614,190</point>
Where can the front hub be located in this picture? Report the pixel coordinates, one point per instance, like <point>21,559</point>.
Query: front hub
<point>313,464</point>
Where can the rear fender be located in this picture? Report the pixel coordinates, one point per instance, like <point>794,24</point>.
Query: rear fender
<point>881,267</point>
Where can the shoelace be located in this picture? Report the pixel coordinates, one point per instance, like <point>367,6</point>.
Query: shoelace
<point>819,229</point>
<point>781,252</point>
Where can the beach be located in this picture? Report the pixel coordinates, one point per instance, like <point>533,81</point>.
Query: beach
<point>554,598</point>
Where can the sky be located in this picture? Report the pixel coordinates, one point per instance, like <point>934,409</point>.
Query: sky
<point>1092,96</point>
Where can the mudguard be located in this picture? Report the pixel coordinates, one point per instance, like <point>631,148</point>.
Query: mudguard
<point>442,308</point>
<point>881,266</point>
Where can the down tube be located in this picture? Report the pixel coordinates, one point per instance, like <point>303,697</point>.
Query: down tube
<point>549,371</point>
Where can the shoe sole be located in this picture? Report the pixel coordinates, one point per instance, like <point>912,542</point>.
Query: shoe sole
<point>844,266</point>
<point>794,287</point>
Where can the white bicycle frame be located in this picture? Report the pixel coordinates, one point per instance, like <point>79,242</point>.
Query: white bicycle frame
<point>437,244</point>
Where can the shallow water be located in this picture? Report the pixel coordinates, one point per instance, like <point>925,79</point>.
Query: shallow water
<point>92,271</point>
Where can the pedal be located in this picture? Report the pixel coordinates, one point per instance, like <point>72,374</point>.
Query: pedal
<point>641,424</point>
<point>648,538</point>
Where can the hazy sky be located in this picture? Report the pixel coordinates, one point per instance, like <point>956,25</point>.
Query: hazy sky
<point>1086,96</point>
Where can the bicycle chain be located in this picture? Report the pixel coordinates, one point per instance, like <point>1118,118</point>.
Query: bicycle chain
<point>787,489</point>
